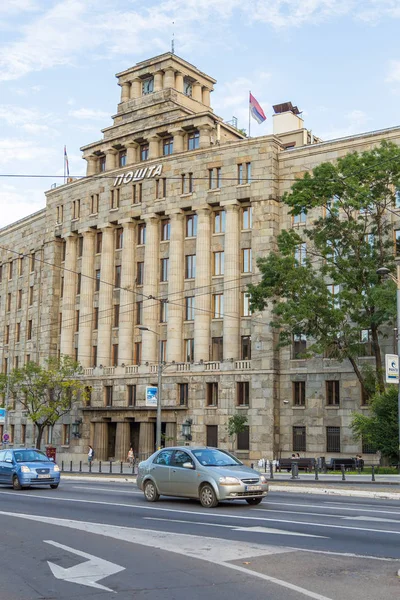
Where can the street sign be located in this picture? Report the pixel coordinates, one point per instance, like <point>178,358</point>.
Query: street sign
<point>6,438</point>
<point>151,396</point>
<point>392,368</point>
<point>2,415</point>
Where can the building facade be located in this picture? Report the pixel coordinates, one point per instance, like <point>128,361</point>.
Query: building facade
<point>146,261</point>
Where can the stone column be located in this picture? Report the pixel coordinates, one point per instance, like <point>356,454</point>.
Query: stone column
<point>170,434</point>
<point>178,139</point>
<point>100,444</point>
<point>125,91</point>
<point>231,325</point>
<point>86,299</point>
<point>206,96</point>
<point>154,146</point>
<point>158,81</point>
<point>146,440</point>
<point>131,153</point>
<point>179,82</point>
<point>175,287</point>
<point>196,91</point>
<point>106,297</point>
<point>205,134</point>
<point>169,78</point>
<point>136,88</point>
<point>127,297</point>
<point>122,440</point>
<point>111,155</point>
<point>92,162</point>
<point>202,318</point>
<point>69,297</point>
<point>151,307</point>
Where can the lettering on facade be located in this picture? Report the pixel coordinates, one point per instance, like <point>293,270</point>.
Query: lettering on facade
<point>139,174</point>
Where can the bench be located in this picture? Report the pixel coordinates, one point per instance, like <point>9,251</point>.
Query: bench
<point>307,464</point>
<point>335,464</point>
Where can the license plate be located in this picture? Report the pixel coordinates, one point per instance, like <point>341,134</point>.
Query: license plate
<point>253,488</point>
<point>44,476</point>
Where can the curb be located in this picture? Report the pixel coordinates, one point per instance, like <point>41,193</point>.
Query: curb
<point>105,478</point>
<point>336,492</point>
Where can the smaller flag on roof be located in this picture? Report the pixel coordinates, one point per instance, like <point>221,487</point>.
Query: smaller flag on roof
<point>66,163</point>
<point>256,111</point>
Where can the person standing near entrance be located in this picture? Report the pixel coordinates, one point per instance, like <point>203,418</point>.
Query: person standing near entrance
<point>131,456</point>
<point>90,455</point>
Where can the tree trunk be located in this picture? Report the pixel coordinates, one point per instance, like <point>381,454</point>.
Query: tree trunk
<point>359,376</point>
<point>40,430</point>
<point>378,358</point>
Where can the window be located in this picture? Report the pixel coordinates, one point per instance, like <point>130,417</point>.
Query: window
<point>333,439</point>
<point>246,260</point>
<point>219,221</point>
<point>137,354</point>
<point>248,172</point>
<point>299,439</point>
<point>164,269</point>
<point>20,266</point>
<point>116,316</point>
<point>243,173</point>
<point>214,178</point>
<point>189,308</point>
<point>99,242</point>
<point>240,174</point>
<point>366,342</point>
<point>212,436</point>
<point>60,214</point>
<point>212,394</point>
<point>190,266</point>
<point>246,312</point>
<point>334,292</point>
<point>1,272</point>
<point>218,306</point>
<point>60,323</point>
<point>193,140</point>
<point>245,347</point>
<point>161,188</point>
<point>367,448</point>
<point>12,433</point>
<point>187,183</point>
<point>114,355</point>
<point>139,313</point>
<point>78,283</point>
<point>17,332</point>
<point>247,217</point>
<point>332,205</point>
<point>8,302</point>
<point>23,433</point>
<point>131,395</point>
<point>191,226</point>
<point>102,164</point>
<point>32,259</point>
<point>136,193</point>
<point>141,234</point>
<point>122,158</point>
<point>139,273</point>
<point>76,209</point>
<point>61,286</point>
<point>95,318</point>
<point>299,345</point>
<point>243,439</point>
<point>218,263</point>
<point>168,146</point>
<point>332,393</point>
<point>76,320</point>
<point>187,87</point>
<point>300,254</point>
<point>119,238</point>
<point>117,276</point>
<point>7,334</point>
<point>299,393</point>
<point>94,204</point>
<point>243,393</point>
<point>80,246</point>
<point>114,198</point>
<point>164,458</point>
<point>189,350</point>
<point>19,297</point>
<point>301,218</point>
<point>108,395</point>
<point>29,333</point>
<point>66,435</point>
<point>16,362</point>
<point>183,391</point>
<point>94,356</point>
<point>10,270</point>
<point>163,311</point>
<point>147,85</point>
<point>163,350</point>
<point>144,151</point>
<point>97,284</point>
<point>165,230</point>
<point>217,349</point>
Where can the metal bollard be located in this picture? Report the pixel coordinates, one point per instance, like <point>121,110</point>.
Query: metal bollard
<point>133,468</point>
<point>265,466</point>
<point>70,466</point>
<point>373,473</point>
<point>121,469</point>
<point>316,472</point>
<point>80,466</point>
<point>110,466</point>
<point>90,466</point>
<point>295,471</point>
<point>62,465</point>
<point>252,465</point>
<point>271,468</point>
<point>343,473</point>
<point>99,466</point>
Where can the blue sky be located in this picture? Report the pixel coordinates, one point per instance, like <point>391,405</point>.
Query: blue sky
<point>338,60</point>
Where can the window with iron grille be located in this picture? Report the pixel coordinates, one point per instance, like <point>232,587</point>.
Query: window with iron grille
<point>299,439</point>
<point>333,439</point>
<point>243,393</point>
<point>212,393</point>
<point>299,393</point>
<point>183,391</point>
<point>332,393</point>
<point>243,439</point>
<point>368,448</point>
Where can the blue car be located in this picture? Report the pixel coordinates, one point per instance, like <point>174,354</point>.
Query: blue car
<point>27,466</point>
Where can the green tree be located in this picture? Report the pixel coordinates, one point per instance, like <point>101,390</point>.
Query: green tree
<point>381,428</point>
<point>236,424</point>
<point>47,392</point>
<point>333,294</point>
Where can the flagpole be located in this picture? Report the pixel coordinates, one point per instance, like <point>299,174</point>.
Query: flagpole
<point>64,163</point>
<point>249,113</point>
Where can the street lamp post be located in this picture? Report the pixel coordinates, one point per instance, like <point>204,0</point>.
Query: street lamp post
<point>159,387</point>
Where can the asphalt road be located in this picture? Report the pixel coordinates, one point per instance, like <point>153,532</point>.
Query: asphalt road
<point>98,540</point>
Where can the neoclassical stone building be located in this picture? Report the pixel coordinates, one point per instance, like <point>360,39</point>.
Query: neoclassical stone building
<point>147,259</point>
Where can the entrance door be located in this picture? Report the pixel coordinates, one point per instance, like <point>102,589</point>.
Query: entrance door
<point>212,436</point>
<point>112,434</point>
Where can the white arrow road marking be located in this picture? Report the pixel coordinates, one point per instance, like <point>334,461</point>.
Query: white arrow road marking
<point>214,550</point>
<point>86,573</point>
<point>374,519</point>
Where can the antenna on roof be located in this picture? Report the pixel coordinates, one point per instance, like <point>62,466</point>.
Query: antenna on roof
<point>173,39</point>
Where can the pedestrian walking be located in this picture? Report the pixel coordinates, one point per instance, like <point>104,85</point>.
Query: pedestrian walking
<point>90,455</point>
<point>131,456</point>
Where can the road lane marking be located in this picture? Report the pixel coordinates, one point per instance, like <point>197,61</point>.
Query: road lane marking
<point>84,487</point>
<point>339,507</point>
<point>86,573</point>
<point>193,546</point>
<point>374,519</point>
<point>329,515</point>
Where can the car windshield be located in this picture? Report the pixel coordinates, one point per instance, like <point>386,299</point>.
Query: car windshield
<point>30,456</point>
<point>211,457</point>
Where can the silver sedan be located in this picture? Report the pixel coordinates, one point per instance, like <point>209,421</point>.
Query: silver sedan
<point>209,474</point>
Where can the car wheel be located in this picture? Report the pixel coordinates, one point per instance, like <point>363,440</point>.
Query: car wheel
<point>150,491</point>
<point>54,486</point>
<point>16,484</point>
<point>207,496</point>
<point>253,501</point>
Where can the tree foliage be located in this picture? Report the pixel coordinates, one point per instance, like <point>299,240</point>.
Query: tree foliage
<point>236,424</point>
<point>381,428</point>
<point>333,293</point>
<point>47,392</point>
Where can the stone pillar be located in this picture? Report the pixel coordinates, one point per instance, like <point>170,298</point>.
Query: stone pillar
<point>179,82</point>
<point>136,88</point>
<point>158,81</point>
<point>196,91</point>
<point>100,443</point>
<point>231,325</point>
<point>111,155</point>
<point>92,162</point>
<point>170,434</point>
<point>127,297</point>
<point>206,96</point>
<point>202,318</point>
<point>205,136</point>
<point>106,297</point>
<point>69,297</point>
<point>169,78</point>
<point>151,307</point>
<point>154,147</point>
<point>86,299</point>
<point>178,139</point>
<point>125,91</point>
<point>175,287</point>
<point>131,153</point>
<point>122,440</point>
<point>146,440</point>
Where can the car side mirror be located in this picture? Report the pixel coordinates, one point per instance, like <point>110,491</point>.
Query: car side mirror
<point>188,465</point>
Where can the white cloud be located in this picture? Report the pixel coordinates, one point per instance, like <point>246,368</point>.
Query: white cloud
<point>14,151</point>
<point>90,114</point>
<point>16,204</point>
<point>357,122</point>
<point>34,128</point>
<point>394,72</point>
<point>9,7</point>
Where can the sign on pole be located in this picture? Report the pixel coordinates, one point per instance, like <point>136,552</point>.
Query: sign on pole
<point>151,396</point>
<point>2,415</point>
<point>392,368</point>
<point>6,438</point>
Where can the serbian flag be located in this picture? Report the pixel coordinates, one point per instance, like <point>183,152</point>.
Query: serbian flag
<point>66,164</point>
<point>256,111</point>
